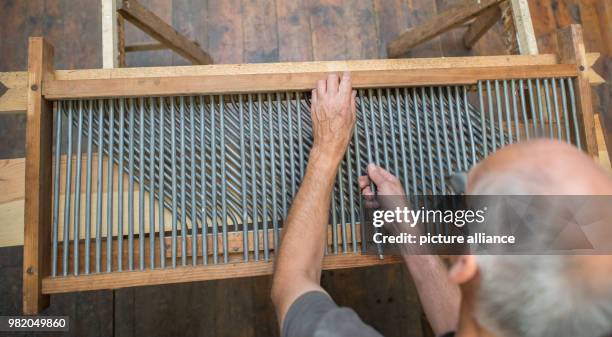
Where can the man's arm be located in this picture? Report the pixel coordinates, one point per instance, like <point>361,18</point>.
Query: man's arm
<point>300,257</point>
<point>439,297</point>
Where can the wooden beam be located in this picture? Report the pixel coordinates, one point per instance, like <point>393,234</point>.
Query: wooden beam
<point>439,24</point>
<point>198,273</point>
<point>524,28</point>
<point>151,24</point>
<point>109,34</point>
<point>145,47</point>
<point>481,25</point>
<point>37,213</point>
<point>572,52</point>
<point>186,85</point>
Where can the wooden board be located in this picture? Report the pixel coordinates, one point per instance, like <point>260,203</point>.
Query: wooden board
<point>198,273</point>
<point>524,28</point>
<point>37,207</point>
<point>185,85</point>
<point>14,98</point>
<point>109,34</point>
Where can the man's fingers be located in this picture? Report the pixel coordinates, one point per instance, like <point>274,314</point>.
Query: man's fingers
<point>321,87</point>
<point>313,98</point>
<point>332,83</point>
<point>378,174</point>
<point>345,83</point>
<point>363,181</point>
<point>354,102</point>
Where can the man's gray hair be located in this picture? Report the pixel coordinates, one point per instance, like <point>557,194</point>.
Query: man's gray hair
<point>539,295</point>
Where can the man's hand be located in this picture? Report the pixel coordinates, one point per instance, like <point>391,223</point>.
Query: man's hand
<point>386,183</point>
<point>333,117</point>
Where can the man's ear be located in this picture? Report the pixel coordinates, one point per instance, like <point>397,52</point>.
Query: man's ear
<point>463,269</point>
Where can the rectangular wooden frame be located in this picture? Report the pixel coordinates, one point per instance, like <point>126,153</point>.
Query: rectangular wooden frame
<point>46,84</point>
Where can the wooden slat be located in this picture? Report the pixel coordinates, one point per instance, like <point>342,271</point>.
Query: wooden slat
<point>572,52</point>
<point>309,67</point>
<point>160,86</point>
<point>524,29</point>
<point>37,215</point>
<point>151,24</point>
<point>481,25</point>
<point>109,33</point>
<point>443,22</point>
<point>191,274</point>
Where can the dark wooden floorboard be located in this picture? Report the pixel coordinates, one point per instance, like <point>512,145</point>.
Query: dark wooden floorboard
<point>294,32</point>
<point>326,22</point>
<point>236,31</point>
<point>260,31</point>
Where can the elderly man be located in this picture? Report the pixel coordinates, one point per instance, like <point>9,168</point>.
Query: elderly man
<point>478,295</point>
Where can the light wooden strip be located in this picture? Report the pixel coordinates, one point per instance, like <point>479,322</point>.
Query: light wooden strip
<point>523,27</point>
<point>191,274</point>
<point>160,86</point>
<point>308,67</point>
<point>109,33</point>
<point>15,97</point>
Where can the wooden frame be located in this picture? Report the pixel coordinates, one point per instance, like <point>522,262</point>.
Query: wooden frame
<point>46,84</point>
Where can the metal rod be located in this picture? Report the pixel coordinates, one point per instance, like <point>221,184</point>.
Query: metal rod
<point>152,184</point>
<point>56,185</point>
<point>77,189</point>
<point>131,187</point>
<point>68,190</point>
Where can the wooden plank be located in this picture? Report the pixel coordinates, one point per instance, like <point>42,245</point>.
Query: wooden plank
<point>181,274</point>
<point>15,96</point>
<point>326,21</point>
<point>360,29</point>
<point>572,51</point>
<point>481,25</point>
<point>294,34</point>
<point>524,27</point>
<point>443,22</point>
<point>309,67</point>
<point>159,86</point>
<point>225,33</point>
<point>260,31</point>
<point>151,24</point>
<point>37,213</point>
<point>109,34</point>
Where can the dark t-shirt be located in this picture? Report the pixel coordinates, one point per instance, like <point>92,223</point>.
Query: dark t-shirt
<point>316,314</point>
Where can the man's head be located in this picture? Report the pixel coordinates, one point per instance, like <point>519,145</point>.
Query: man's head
<point>542,295</point>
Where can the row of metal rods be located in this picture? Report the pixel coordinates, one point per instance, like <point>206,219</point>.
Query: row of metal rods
<point>216,160</point>
<point>532,103</point>
<point>131,178</point>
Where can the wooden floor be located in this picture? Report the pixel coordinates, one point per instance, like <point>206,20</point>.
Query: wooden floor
<point>235,31</point>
